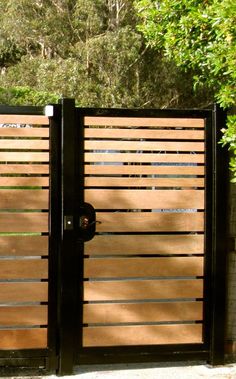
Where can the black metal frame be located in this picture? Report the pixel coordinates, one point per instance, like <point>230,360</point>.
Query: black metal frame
<point>71,198</point>
<point>220,209</point>
<point>54,240</point>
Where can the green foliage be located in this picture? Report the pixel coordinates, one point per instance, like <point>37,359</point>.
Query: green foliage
<point>90,50</point>
<point>25,96</point>
<point>229,139</point>
<point>198,36</point>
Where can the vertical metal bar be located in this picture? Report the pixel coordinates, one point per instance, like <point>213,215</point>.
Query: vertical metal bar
<point>220,228</point>
<point>54,233</point>
<point>208,228</point>
<point>79,240</point>
<point>68,261</point>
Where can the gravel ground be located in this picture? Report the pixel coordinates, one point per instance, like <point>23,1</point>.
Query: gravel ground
<point>144,371</point>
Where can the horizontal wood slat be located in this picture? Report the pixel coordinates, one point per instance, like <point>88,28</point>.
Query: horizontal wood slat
<point>148,312</point>
<point>24,269</point>
<point>24,199</point>
<point>143,290</point>
<point>23,245</point>
<point>17,181</point>
<point>144,121</point>
<point>24,222</point>
<point>143,170</point>
<point>144,134</point>
<point>24,157</point>
<point>27,144</point>
<point>23,339</point>
<point>150,222</point>
<point>24,169</point>
<point>23,292</point>
<point>143,267</point>
<point>142,335</point>
<point>23,119</point>
<point>142,182</point>
<point>24,132</point>
<point>144,244</point>
<point>144,158</point>
<point>23,315</point>
<point>144,146</point>
<point>144,199</point>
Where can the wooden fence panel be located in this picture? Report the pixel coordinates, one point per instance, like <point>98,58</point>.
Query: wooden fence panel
<point>24,227</point>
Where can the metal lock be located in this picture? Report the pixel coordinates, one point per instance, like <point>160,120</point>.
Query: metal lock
<point>84,222</point>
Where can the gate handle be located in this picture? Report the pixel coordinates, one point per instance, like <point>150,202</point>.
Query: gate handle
<point>87,222</point>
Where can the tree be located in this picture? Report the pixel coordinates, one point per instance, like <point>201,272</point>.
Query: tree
<point>88,50</point>
<point>198,36</point>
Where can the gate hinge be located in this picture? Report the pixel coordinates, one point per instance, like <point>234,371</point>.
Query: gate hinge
<point>52,364</point>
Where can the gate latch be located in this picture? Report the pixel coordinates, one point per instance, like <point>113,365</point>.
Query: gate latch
<point>68,223</point>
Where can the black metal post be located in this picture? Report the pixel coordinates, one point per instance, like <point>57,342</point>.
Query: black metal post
<point>68,261</point>
<point>219,241</point>
<point>54,234</point>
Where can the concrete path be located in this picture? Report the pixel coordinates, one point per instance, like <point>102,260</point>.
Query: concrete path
<point>145,371</point>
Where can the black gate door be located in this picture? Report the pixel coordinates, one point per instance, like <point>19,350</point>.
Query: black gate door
<point>143,252</point>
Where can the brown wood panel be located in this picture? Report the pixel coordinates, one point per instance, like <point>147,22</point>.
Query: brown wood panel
<point>23,245</point>
<point>24,199</point>
<point>142,182</point>
<point>23,292</point>
<point>144,158</point>
<point>143,290</point>
<point>144,244</point>
<point>23,339</point>
<point>23,119</point>
<point>150,222</point>
<point>24,222</point>
<point>144,121</point>
<point>24,168</point>
<point>23,315</point>
<point>27,144</point>
<point>143,312</point>
<point>144,146</point>
<point>144,199</point>
<point>24,132</point>
<point>24,269</point>
<point>143,170</point>
<point>144,134</point>
<point>142,335</point>
<point>24,157</point>
<point>142,267</point>
<point>10,181</point>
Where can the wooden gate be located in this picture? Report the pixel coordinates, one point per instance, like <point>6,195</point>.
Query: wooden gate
<point>141,208</point>
<point>112,236</point>
<point>27,333</point>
